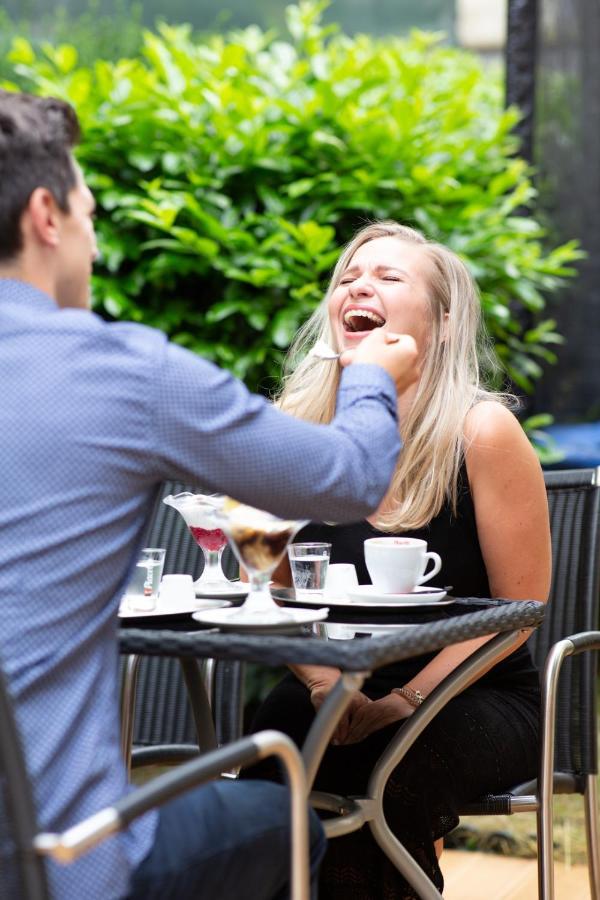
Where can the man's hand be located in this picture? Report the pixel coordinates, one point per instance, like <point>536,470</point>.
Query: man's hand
<point>396,353</point>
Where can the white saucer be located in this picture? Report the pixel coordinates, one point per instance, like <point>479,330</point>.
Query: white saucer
<point>173,608</point>
<point>421,594</point>
<point>230,591</point>
<point>387,602</point>
<point>237,619</point>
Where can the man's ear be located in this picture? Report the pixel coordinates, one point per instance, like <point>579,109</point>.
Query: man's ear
<point>44,217</point>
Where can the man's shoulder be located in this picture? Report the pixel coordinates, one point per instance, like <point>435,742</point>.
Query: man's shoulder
<point>130,340</point>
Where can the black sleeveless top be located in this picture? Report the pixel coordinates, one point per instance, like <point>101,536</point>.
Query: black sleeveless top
<point>463,572</point>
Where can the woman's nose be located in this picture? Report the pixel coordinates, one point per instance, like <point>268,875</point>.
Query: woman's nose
<point>361,287</point>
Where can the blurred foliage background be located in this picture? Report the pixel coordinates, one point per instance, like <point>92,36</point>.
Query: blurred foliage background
<point>50,19</point>
<point>230,168</point>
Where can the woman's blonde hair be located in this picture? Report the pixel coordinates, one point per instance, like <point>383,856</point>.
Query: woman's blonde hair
<point>427,471</point>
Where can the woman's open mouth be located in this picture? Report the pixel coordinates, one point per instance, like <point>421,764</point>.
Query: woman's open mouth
<point>357,321</point>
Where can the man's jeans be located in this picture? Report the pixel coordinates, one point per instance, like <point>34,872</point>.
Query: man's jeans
<point>227,840</point>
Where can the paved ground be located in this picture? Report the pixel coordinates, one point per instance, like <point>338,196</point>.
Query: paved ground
<point>488,876</point>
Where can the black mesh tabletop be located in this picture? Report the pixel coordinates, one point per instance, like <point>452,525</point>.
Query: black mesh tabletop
<point>471,618</point>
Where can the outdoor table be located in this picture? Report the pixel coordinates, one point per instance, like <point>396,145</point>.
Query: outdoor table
<point>465,619</point>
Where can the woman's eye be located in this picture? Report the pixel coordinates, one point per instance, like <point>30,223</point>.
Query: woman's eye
<point>391,278</point>
<point>346,280</point>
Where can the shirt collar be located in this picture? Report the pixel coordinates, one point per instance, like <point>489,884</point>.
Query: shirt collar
<point>12,290</point>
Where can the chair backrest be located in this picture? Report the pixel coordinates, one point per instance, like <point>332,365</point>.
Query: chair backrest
<point>162,712</point>
<point>574,502</point>
<point>22,871</point>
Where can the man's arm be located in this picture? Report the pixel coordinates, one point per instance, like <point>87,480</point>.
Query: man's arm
<point>212,431</point>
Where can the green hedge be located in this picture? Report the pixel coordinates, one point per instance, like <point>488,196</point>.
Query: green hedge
<point>95,33</point>
<point>229,171</point>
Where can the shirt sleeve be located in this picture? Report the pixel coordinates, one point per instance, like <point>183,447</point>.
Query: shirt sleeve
<point>211,431</point>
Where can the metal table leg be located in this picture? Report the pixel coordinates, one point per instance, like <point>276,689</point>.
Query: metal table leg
<point>452,685</point>
<point>199,700</point>
<point>356,811</point>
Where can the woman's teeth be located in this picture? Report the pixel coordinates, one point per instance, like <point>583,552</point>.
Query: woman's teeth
<point>362,320</point>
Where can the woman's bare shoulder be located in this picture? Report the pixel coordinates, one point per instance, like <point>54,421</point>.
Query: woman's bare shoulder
<point>489,425</point>
<point>493,436</point>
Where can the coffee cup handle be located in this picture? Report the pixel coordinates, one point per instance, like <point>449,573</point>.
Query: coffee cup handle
<point>437,565</point>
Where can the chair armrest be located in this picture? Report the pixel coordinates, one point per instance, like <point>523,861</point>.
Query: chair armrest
<point>77,840</point>
<point>568,646</point>
<point>585,640</point>
<point>164,754</point>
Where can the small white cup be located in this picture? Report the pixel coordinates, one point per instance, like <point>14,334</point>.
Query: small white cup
<point>397,565</point>
<point>341,578</point>
<point>176,589</point>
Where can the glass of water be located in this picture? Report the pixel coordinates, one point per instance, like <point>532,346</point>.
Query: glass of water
<point>142,590</point>
<point>309,563</point>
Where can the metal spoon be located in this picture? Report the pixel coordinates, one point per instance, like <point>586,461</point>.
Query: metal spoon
<point>322,350</point>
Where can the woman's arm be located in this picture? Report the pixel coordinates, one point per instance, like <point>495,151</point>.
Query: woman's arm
<point>511,512</point>
<point>511,507</point>
<point>319,680</point>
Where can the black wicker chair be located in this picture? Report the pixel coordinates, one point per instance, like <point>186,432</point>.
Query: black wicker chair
<point>163,728</point>
<point>22,848</point>
<point>569,751</point>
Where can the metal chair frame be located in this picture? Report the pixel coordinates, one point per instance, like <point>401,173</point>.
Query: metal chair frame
<point>574,497</point>
<point>23,847</point>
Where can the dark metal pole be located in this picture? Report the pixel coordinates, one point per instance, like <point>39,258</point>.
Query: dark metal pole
<point>521,53</point>
<point>521,41</point>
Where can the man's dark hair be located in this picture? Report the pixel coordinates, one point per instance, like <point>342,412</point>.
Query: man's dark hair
<point>36,137</point>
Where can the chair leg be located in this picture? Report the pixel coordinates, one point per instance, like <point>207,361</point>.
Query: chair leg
<point>128,690</point>
<point>592,835</point>
<point>545,790</point>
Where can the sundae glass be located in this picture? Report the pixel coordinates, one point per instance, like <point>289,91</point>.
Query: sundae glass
<point>259,540</point>
<point>199,512</point>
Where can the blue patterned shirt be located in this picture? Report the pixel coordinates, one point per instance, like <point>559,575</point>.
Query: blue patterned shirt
<point>92,417</point>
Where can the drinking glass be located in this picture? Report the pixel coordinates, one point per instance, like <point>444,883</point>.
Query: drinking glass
<point>199,512</point>
<point>309,564</point>
<point>142,590</point>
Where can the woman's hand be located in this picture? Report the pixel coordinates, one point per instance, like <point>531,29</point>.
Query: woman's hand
<point>320,686</point>
<point>375,715</point>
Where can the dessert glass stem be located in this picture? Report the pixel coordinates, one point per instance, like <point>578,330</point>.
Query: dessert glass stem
<point>213,573</point>
<point>259,599</point>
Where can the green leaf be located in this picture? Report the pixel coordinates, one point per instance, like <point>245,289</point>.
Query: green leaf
<point>285,324</point>
<point>301,187</point>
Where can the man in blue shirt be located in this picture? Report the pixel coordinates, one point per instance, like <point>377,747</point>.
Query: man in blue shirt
<point>93,416</point>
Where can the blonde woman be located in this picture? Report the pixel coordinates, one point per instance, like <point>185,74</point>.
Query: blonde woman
<point>468,482</point>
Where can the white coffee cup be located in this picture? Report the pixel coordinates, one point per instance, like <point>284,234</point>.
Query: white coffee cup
<point>341,578</point>
<point>397,565</point>
<point>176,589</point>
